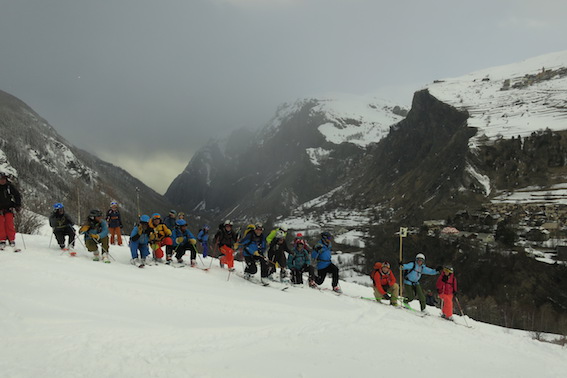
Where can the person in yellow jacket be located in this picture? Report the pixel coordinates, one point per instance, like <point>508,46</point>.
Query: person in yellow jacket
<point>160,235</point>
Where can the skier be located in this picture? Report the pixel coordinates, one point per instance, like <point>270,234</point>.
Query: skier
<point>253,246</point>
<point>385,286</point>
<point>282,229</point>
<point>139,239</point>
<point>62,226</point>
<point>298,238</point>
<point>430,299</point>
<point>96,232</point>
<point>170,220</point>
<point>412,288</point>
<point>321,255</point>
<point>114,223</point>
<point>447,289</point>
<point>276,254</point>
<point>10,202</point>
<point>203,238</point>
<point>299,262</point>
<point>160,236</point>
<point>224,241</point>
<point>183,240</point>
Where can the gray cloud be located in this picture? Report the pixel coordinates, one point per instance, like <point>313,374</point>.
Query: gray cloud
<point>142,81</point>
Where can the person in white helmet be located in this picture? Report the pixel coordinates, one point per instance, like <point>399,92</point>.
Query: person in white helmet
<point>412,274</point>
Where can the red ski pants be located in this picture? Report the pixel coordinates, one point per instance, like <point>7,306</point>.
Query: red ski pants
<point>158,252</point>
<point>447,304</point>
<point>227,256</point>
<point>7,228</point>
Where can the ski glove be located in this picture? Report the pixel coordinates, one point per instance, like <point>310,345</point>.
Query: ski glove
<point>179,240</point>
<point>387,296</point>
<point>95,236</point>
<point>193,241</point>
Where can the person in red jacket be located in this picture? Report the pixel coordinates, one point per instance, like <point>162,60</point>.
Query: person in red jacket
<point>447,288</point>
<point>385,286</point>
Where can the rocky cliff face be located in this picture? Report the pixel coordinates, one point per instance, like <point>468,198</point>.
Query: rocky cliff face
<point>49,169</point>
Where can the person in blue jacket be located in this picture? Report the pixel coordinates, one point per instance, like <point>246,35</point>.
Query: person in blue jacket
<point>183,240</point>
<point>203,238</point>
<point>95,230</point>
<point>139,239</point>
<point>298,262</point>
<point>412,274</point>
<point>253,246</point>
<point>321,255</point>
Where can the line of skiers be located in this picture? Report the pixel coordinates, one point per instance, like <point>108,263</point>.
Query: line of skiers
<point>386,288</point>
<point>172,232</point>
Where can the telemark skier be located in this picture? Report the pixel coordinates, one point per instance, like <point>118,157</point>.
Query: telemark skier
<point>385,286</point>
<point>62,226</point>
<point>299,262</point>
<point>253,246</point>
<point>96,232</point>
<point>160,235</point>
<point>183,240</point>
<point>224,242</point>
<point>321,255</point>
<point>139,239</point>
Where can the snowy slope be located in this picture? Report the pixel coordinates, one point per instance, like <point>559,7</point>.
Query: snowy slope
<point>511,100</point>
<point>71,317</point>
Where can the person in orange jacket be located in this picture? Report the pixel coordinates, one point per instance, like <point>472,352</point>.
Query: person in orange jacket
<point>447,288</point>
<point>385,286</point>
<point>160,235</point>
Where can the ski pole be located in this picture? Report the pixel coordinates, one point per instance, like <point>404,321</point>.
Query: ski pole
<point>461,310</point>
<point>23,241</point>
<point>51,238</point>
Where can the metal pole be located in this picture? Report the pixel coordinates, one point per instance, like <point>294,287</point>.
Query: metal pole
<point>461,310</point>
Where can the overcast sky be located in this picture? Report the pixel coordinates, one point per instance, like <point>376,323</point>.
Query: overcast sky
<point>144,83</point>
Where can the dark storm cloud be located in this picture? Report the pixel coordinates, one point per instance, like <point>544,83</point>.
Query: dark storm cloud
<point>147,82</point>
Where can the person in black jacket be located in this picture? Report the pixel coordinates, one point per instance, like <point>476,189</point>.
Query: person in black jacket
<point>62,226</point>
<point>10,203</point>
<point>224,241</point>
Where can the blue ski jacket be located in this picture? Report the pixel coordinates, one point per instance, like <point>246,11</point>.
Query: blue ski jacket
<point>203,236</point>
<point>322,254</point>
<point>252,243</point>
<point>141,239</point>
<point>96,228</point>
<point>298,259</point>
<point>186,235</point>
<point>415,271</point>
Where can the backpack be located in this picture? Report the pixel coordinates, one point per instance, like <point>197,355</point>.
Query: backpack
<point>248,228</point>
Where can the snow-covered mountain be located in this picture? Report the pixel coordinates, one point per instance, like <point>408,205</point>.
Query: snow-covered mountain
<point>71,317</point>
<point>303,151</point>
<point>511,100</point>
<point>49,169</point>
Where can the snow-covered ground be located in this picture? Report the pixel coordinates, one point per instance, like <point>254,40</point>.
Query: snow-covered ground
<point>65,316</point>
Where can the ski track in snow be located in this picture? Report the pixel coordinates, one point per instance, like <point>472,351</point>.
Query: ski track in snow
<point>71,317</point>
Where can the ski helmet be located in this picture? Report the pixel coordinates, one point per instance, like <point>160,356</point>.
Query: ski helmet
<point>145,219</point>
<point>326,235</point>
<point>58,206</point>
<point>95,213</point>
<point>181,222</point>
<point>173,212</point>
<point>156,215</point>
<point>280,234</point>
<point>259,226</point>
<point>420,256</point>
<point>114,203</point>
<point>386,264</point>
<point>227,222</point>
<point>284,227</point>
<point>448,269</point>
